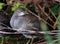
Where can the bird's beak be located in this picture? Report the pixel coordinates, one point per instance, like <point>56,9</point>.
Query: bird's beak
<point>21,14</point>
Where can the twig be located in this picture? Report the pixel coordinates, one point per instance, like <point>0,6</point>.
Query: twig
<point>28,41</point>
<point>38,17</point>
<point>40,8</point>
<point>50,9</point>
<point>27,32</point>
<point>52,13</point>
<point>46,42</point>
<point>7,27</point>
<point>32,40</point>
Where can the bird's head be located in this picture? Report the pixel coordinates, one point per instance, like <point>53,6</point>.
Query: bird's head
<point>20,12</point>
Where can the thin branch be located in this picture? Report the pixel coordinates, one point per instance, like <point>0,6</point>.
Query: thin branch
<point>45,42</point>
<point>28,32</point>
<point>28,41</point>
<point>50,9</point>
<point>44,12</point>
<point>38,17</point>
<point>7,27</point>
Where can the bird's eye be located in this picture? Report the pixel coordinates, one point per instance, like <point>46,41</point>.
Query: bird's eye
<point>21,14</point>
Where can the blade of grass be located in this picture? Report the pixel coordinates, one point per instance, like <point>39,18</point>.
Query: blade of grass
<point>47,37</point>
<point>58,19</point>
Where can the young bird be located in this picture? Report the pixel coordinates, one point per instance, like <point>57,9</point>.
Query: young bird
<point>21,21</point>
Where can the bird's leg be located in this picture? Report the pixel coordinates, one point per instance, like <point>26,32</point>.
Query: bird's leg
<point>32,40</point>
<point>28,41</point>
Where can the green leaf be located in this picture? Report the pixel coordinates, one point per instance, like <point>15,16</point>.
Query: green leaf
<point>44,26</point>
<point>0,39</point>
<point>18,5</point>
<point>55,8</point>
<point>15,7</point>
<point>22,6</point>
<point>58,26</point>
<point>1,5</point>
<point>47,37</point>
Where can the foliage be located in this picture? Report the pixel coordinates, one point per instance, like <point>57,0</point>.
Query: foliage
<point>58,34</point>
<point>55,8</point>
<point>1,5</point>
<point>48,38</point>
<point>15,6</point>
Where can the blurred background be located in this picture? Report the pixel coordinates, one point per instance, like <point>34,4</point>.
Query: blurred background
<point>48,12</point>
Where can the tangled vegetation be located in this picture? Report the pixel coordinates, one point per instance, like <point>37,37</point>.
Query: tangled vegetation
<point>47,11</point>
